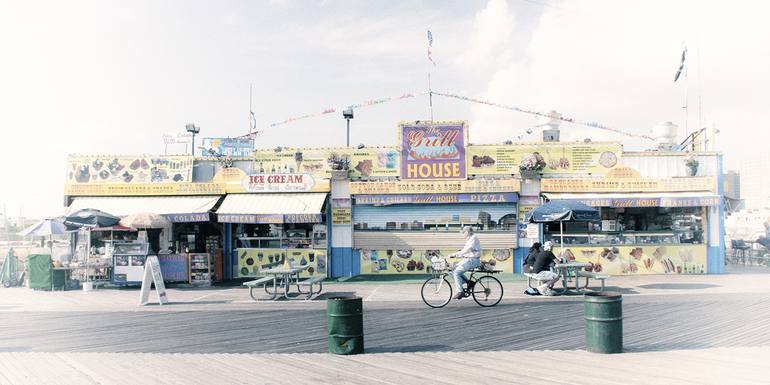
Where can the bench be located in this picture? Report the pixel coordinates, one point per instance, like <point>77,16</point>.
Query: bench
<point>256,283</point>
<point>309,283</point>
<point>591,275</point>
<point>531,277</point>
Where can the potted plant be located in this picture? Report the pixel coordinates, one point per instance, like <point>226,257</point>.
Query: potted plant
<point>692,166</point>
<point>340,164</point>
<point>532,165</point>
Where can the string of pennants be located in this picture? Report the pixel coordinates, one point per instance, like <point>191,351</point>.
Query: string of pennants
<point>368,103</point>
<point>374,102</point>
<point>536,113</point>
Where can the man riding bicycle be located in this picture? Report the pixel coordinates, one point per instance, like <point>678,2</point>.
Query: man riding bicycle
<point>471,255</point>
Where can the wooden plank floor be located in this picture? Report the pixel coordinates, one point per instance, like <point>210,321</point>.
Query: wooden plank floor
<point>652,323</point>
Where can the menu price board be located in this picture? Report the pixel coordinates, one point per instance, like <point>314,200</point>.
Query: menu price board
<point>364,162</point>
<point>560,158</point>
<point>435,186</point>
<point>129,169</point>
<point>628,185</point>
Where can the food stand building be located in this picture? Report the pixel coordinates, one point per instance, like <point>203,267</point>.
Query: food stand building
<point>395,207</point>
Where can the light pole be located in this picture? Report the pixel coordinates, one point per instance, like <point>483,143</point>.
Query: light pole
<point>193,129</point>
<point>348,114</point>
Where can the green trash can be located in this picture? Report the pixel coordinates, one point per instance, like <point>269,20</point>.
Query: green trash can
<point>345,324</point>
<point>604,322</point>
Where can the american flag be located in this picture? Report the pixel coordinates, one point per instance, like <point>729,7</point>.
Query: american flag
<point>430,44</point>
<point>681,65</point>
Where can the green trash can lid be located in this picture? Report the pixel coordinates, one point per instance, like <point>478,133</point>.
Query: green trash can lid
<point>602,295</point>
<point>344,298</point>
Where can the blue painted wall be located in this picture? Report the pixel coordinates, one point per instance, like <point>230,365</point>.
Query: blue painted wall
<point>345,262</point>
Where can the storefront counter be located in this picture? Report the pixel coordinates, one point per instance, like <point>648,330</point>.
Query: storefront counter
<point>251,261</point>
<point>409,261</point>
<point>640,259</point>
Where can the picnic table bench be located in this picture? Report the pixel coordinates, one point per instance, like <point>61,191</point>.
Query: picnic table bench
<point>282,279</point>
<point>572,270</point>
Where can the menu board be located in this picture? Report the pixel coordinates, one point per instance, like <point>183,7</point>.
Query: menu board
<point>560,158</point>
<point>628,185</point>
<point>435,186</point>
<point>364,162</point>
<point>129,169</point>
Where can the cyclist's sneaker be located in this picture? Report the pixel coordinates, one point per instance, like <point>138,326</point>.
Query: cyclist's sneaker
<point>548,292</point>
<point>459,296</point>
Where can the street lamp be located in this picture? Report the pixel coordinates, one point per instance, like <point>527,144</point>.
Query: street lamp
<point>348,114</point>
<point>193,129</point>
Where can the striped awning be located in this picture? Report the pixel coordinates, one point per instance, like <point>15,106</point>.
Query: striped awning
<point>175,209</point>
<point>678,199</point>
<point>272,208</point>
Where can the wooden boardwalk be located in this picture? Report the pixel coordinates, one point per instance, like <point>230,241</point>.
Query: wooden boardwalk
<point>652,323</point>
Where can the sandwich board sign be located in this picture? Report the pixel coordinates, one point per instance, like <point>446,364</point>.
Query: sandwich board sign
<point>152,274</point>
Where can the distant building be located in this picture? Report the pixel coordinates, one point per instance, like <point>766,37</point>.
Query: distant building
<point>754,188</point>
<point>732,192</point>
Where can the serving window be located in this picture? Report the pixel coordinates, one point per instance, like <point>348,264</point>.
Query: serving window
<point>634,226</point>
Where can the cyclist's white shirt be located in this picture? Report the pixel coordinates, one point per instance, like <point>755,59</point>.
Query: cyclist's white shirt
<point>472,248</point>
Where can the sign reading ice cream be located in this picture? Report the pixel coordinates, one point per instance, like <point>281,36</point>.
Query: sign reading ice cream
<point>433,150</point>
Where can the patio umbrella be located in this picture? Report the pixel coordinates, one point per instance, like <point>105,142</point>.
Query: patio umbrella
<point>89,218</point>
<point>563,211</point>
<point>45,228</point>
<point>145,221</point>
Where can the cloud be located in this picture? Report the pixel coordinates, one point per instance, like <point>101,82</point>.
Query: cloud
<point>613,62</point>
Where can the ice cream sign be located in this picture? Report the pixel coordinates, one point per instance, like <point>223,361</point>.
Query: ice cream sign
<point>278,182</point>
<point>433,150</point>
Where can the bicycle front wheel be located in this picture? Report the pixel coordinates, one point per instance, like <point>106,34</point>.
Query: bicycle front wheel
<point>436,292</point>
<point>487,291</point>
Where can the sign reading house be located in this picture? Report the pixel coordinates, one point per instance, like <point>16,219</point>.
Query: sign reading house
<point>433,150</point>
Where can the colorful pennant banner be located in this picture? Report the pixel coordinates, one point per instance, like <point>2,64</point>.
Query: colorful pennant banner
<point>367,103</point>
<point>536,113</point>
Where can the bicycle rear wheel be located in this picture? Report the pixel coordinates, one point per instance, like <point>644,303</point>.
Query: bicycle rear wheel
<point>487,291</point>
<point>436,291</point>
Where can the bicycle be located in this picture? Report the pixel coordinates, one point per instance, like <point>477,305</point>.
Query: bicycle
<point>436,291</point>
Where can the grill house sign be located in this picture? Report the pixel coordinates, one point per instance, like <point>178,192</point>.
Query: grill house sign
<point>433,150</point>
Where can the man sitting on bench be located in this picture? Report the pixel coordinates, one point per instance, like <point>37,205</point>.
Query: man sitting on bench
<point>542,269</point>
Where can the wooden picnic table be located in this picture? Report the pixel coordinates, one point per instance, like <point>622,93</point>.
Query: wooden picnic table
<point>564,270</point>
<point>282,278</point>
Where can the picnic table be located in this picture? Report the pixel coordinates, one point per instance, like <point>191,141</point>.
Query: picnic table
<point>570,269</point>
<point>282,279</point>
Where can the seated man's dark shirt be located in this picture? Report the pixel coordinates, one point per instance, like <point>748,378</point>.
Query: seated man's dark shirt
<point>543,261</point>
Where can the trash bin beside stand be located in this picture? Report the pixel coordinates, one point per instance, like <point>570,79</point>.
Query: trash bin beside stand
<point>603,313</point>
<point>345,325</point>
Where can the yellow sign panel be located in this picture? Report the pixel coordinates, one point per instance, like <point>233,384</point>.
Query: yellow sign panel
<point>659,259</point>
<point>628,185</point>
<point>341,216</point>
<point>128,169</point>
<point>560,158</point>
<point>144,189</point>
<point>252,261</point>
<point>407,261</point>
<point>364,163</point>
<point>434,186</point>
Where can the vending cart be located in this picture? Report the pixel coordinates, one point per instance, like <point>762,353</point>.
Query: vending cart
<point>128,262</point>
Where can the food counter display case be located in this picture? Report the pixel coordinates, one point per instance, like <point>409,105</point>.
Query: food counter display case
<point>128,260</point>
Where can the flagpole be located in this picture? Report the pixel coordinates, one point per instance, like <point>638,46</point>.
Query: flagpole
<point>430,97</point>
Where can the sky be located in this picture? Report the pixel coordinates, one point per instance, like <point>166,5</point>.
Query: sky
<point>111,77</point>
